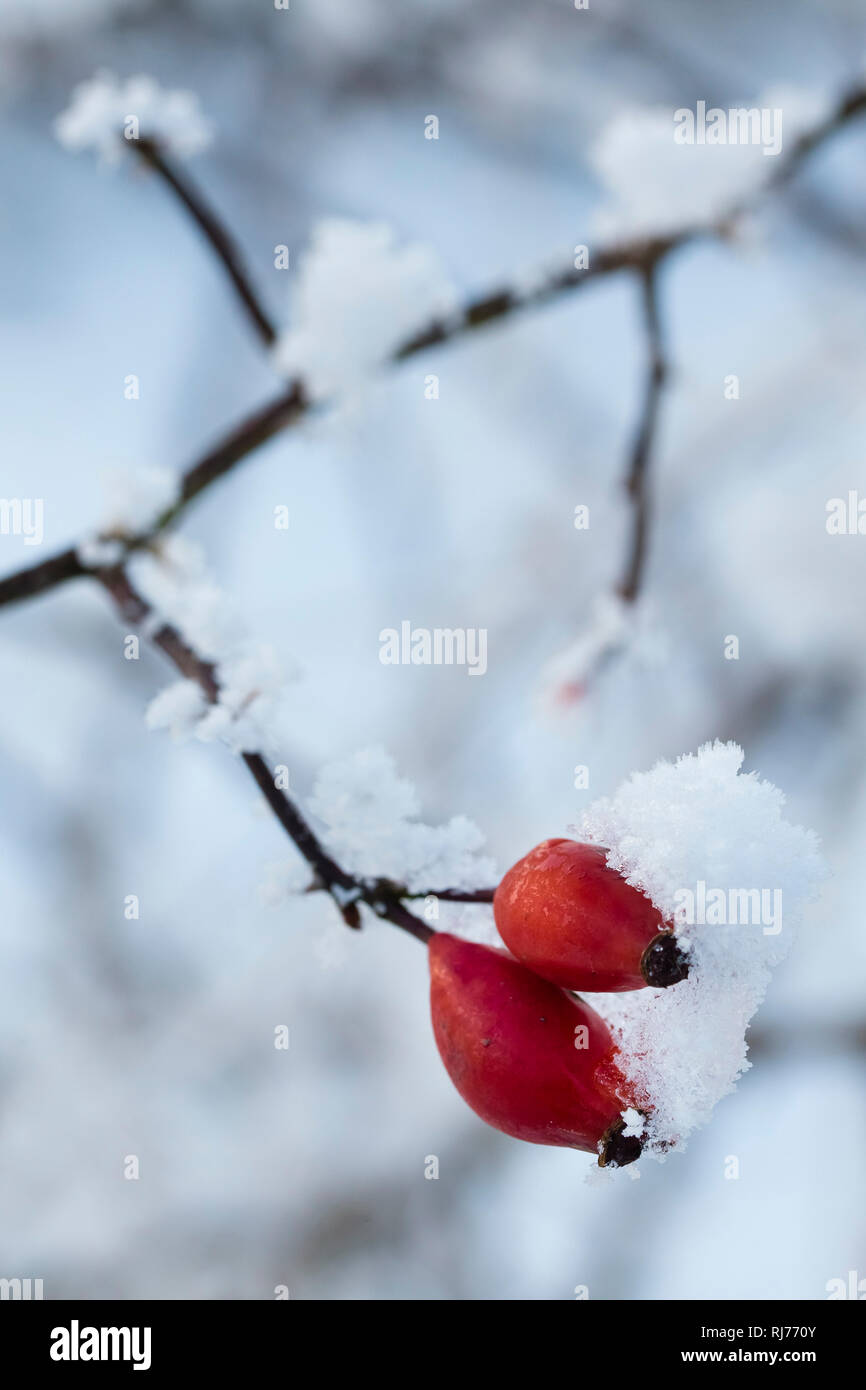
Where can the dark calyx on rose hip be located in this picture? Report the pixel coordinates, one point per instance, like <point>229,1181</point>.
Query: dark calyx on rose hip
<point>664,962</point>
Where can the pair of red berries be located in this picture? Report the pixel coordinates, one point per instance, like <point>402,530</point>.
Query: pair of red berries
<point>530,1058</point>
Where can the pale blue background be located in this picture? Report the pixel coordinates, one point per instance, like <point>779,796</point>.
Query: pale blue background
<point>153,1037</point>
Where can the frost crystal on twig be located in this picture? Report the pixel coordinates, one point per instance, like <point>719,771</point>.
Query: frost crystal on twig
<point>178,708</point>
<point>371,815</point>
<point>250,679</point>
<point>107,114</point>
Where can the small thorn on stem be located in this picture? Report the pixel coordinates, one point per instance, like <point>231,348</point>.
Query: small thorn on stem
<point>664,962</point>
<point>617,1149</point>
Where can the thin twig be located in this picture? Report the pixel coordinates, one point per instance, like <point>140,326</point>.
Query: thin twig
<point>637,479</point>
<point>508,301</point>
<point>848,108</point>
<point>346,889</point>
<point>214,230</point>
<point>455,895</point>
<point>657,368</point>
<point>37,579</point>
<point>252,432</point>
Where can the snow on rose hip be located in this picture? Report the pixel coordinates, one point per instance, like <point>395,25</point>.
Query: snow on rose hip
<point>527,1057</point>
<point>573,920</point>
<point>651,1064</point>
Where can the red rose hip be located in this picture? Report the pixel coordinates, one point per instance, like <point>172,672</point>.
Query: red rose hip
<point>562,912</point>
<point>527,1057</point>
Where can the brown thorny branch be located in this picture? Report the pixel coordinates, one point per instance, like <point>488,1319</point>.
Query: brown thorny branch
<point>642,257</point>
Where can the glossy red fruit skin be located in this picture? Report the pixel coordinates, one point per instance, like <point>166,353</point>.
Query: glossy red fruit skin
<point>562,912</point>
<point>507,1039</point>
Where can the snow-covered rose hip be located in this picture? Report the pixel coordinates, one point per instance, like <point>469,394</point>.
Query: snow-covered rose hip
<point>564,913</point>
<point>527,1057</point>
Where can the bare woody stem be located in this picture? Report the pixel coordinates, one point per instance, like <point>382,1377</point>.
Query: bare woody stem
<point>249,435</point>
<point>847,109</point>
<point>347,890</point>
<point>455,895</point>
<point>215,232</point>
<point>38,579</point>
<point>637,479</point>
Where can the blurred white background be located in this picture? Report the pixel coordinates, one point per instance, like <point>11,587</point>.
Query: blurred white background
<point>155,1037</point>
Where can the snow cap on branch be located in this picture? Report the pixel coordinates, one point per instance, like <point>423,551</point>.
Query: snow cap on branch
<point>657,186</point>
<point>135,499</point>
<point>106,114</point>
<point>180,592</point>
<point>177,585</point>
<point>177,708</point>
<point>358,297</point>
<point>251,682</point>
<point>710,846</point>
<point>372,828</point>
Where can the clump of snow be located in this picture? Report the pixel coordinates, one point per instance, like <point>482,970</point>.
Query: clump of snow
<point>180,590</point>
<point>702,821</point>
<point>106,114</point>
<point>657,186</point>
<point>178,709</point>
<point>97,553</point>
<point>372,827</point>
<point>251,682</point>
<point>358,297</point>
<point>136,497</point>
<point>176,584</point>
